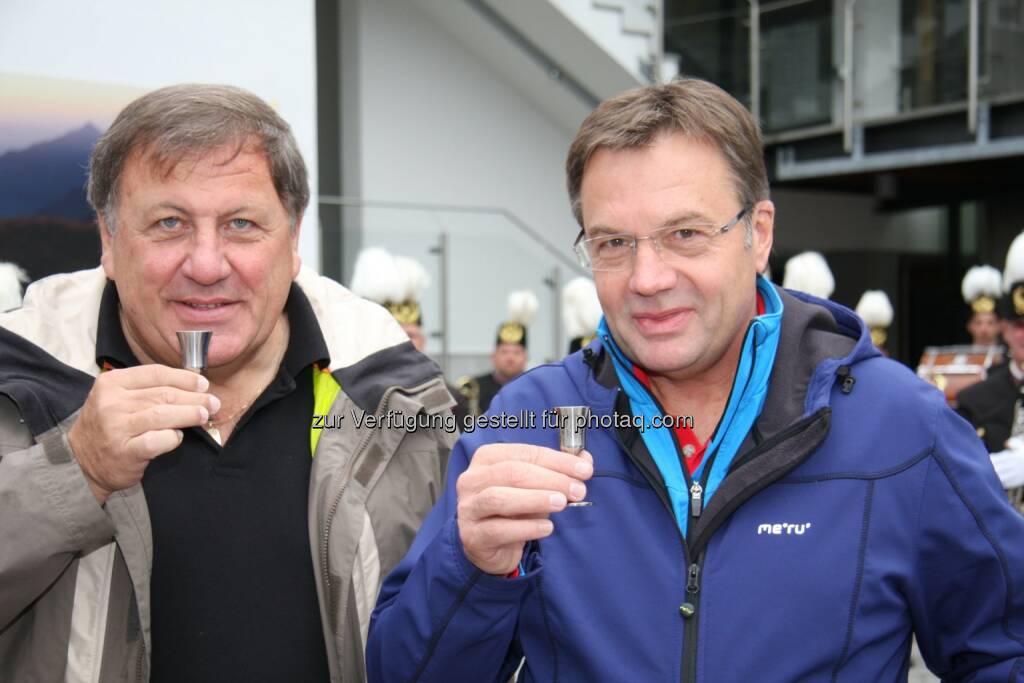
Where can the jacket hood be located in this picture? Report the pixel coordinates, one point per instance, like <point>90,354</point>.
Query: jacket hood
<point>44,390</point>
<point>818,338</point>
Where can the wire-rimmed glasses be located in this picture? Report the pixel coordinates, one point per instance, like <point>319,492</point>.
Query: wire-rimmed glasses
<point>673,243</point>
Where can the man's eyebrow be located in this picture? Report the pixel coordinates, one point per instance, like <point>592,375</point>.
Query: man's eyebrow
<point>686,217</point>
<point>166,206</point>
<point>683,217</point>
<point>234,211</point>
<point>245,208</point>
<point>602,230</point>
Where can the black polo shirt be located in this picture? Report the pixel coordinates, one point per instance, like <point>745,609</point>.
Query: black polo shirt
<point>233,589</point>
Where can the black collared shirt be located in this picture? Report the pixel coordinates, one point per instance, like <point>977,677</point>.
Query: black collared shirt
<point>233,589</point>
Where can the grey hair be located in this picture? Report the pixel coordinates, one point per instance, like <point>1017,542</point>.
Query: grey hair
<point>181,122</point>
<point>690,106</point>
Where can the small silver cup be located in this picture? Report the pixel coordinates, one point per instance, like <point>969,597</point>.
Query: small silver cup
<point>195,346</point>
<point>572,434</point>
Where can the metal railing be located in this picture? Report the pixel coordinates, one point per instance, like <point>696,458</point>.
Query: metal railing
<point>967,59</point>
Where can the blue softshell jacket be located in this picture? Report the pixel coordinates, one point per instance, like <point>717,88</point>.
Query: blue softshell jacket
<point>860,509</point>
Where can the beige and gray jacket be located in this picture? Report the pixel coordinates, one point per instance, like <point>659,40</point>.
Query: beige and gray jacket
<point>74,576</point>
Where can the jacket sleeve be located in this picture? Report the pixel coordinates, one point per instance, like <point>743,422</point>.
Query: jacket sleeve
<point>967,593</point>
<point>438,617</point>
<point>47,516</point>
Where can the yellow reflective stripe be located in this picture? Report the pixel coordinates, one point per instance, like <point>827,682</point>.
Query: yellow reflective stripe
<point>325,390</point>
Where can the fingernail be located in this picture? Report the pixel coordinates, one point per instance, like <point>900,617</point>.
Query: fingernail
<point>577,490</point>
<point>582,468</point>
<point>545,526</point>
<point>557,501</point>
<point>181,435</point>
<point>204,414</point>
<point>214,404</point>
<point>203,383</point>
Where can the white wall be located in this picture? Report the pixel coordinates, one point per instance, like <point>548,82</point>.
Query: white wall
<point>605,27</point>
<point>266,46</point>
<point>438,125</point>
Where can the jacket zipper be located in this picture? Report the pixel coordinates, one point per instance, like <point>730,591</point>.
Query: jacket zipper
<point>691,608</point>
<point>332,511</point>
<point>696,488</point>
<point>693,487</point>
<point>696,499</point>
<point>140,659</point>
<point>690,611</point>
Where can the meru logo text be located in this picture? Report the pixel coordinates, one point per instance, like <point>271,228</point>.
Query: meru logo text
<point>783,529</point>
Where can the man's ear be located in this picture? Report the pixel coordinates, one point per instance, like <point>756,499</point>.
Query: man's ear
<point>763,220</point>
<point>107,245</point>
<point>296,259</point>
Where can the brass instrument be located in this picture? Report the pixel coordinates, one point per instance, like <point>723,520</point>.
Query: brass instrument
<point>953,368</point>
<point>470,388</point>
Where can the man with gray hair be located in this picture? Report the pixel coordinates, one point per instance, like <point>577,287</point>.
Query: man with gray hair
<point>160,524</point>
<point>764,498</point>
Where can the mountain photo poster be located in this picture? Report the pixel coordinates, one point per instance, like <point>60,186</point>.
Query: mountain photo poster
<point>48,127</point>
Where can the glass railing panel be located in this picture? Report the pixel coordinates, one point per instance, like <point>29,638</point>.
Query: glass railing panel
<point>933,53</point>
<point>798,75</point>
<point>712,39</point>
<point>1001,48</point>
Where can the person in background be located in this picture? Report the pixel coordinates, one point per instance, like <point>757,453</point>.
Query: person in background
<point>397,283</point>
<point>808,272</point>
<point>981,289</point>
<point>876,312</point>
<point>581,312</point>
<point>509,358</point>
<point>995,405</point>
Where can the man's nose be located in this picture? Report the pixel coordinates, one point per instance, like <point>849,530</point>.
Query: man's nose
<point>651,274</point>
<point>206,263</point>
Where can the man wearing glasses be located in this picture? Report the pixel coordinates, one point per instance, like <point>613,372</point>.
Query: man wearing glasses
<point>809,508</point>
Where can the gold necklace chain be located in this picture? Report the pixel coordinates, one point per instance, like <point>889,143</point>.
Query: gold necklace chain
<point>229,418</point>
<point>238,413</point>
<point>212,423</point>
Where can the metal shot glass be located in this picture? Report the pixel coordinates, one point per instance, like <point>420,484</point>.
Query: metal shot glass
<point>572,434</point>
<point>195,346</point>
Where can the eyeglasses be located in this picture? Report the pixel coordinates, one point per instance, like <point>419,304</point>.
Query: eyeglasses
<point>674,244</point>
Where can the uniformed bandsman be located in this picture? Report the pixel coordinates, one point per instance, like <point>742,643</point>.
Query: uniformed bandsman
<point>397,283</point>
<point>509,357</point>
<point>875,310</point>
<point>981,288</point>
<point>808,272</point>
<point>581,312</point>
<point>995,406</point>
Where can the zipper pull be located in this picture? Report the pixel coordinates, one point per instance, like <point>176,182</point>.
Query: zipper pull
<point>693,579</point>
<point>696,499</point>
